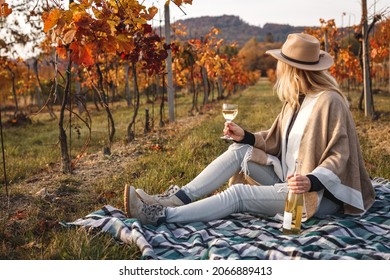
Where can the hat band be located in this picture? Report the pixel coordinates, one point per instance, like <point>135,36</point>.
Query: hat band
<point>299,61</point>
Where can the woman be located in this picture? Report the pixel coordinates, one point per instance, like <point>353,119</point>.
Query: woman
<point>314,125</point>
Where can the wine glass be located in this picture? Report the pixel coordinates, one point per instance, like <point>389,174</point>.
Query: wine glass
<point>229,112</point>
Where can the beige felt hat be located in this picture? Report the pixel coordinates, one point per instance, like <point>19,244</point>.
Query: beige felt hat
<point>303,52</point>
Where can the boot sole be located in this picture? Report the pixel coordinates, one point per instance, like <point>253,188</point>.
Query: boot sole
<point>126,198</point>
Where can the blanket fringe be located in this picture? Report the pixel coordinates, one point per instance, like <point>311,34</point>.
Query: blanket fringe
<point>380,181</point>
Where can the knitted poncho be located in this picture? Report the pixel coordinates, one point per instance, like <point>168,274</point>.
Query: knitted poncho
<point>324,138</point>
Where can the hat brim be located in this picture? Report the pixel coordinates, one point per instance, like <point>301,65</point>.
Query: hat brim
<point>325,62</point>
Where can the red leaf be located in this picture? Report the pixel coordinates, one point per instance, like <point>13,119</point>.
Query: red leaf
<point>147,28</point>
<point>4,10</point>
<point>61,51</point>
<point>83,20</point>
<point>20,215</point>
<point>82,54</point>
<point>156,147</point>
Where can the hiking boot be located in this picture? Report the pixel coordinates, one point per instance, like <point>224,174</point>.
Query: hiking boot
<point>144,213</point>
<point>172,197</point>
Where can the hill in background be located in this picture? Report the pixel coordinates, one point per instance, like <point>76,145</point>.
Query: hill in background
<point>234,29</point>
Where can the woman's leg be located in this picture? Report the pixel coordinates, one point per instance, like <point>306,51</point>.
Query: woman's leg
<point>327,207</point>
<point>266,200</point>
<point>214,176</point>
<point>225,166</point>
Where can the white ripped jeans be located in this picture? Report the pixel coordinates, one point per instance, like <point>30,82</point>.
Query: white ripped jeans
<point>267,199</point>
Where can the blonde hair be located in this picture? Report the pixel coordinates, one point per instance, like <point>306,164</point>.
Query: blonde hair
<point>291,82</point>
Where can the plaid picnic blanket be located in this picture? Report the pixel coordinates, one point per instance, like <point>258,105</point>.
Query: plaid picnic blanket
<point>247,236</point>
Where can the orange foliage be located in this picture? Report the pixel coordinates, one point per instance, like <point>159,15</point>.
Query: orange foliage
<point>82,54</point>
<point>380,42</point>
<point>195,54</point>
<point>180,2</point>
<point>347,65</point>
<point>51,19</point>
<point>95,27</point>
<point>271,74</point>
<point>4,9</point>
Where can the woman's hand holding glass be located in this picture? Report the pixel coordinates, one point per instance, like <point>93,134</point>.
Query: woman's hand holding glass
<point>233,131</point>
<point>229,112</point>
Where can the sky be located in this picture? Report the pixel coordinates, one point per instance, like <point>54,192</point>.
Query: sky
<point>292,12</point>
<point>260,12</point>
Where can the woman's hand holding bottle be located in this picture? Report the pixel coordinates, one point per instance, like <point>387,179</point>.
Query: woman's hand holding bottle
<point>299,183</point>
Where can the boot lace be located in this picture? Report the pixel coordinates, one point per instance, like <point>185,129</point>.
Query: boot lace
<point>170,191</point>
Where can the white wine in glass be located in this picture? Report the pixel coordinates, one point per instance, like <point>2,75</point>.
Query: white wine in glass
<point>229,112</point>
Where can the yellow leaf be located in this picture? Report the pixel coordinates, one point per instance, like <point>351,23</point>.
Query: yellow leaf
<point>125,43</point>
<point>98,14</point>
<point>112,25</point>
<point>140,21</point>
<point>67,16</point>
<point>122,37</point>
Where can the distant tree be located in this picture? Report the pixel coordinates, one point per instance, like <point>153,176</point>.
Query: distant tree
<point>350,42</point>
<point>265,63</point>
<point>249,54</point>
<point>229,50</point>
<point>269,38</point>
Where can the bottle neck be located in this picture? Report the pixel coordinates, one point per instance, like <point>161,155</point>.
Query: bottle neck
<point>298,166</point>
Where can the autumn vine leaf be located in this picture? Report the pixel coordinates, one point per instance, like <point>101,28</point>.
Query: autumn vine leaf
<point>51,19</point>
<point>97,27</point>
<point>152,11</point>
<point>69,35</point>
<point>179,2</point>
<point>4,9</point>
<point>82,54</point>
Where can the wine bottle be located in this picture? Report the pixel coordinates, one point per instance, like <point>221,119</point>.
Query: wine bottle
<point>293,209</point>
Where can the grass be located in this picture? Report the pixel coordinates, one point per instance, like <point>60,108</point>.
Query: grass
<point>39,142</point>
<point>31,230</point>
